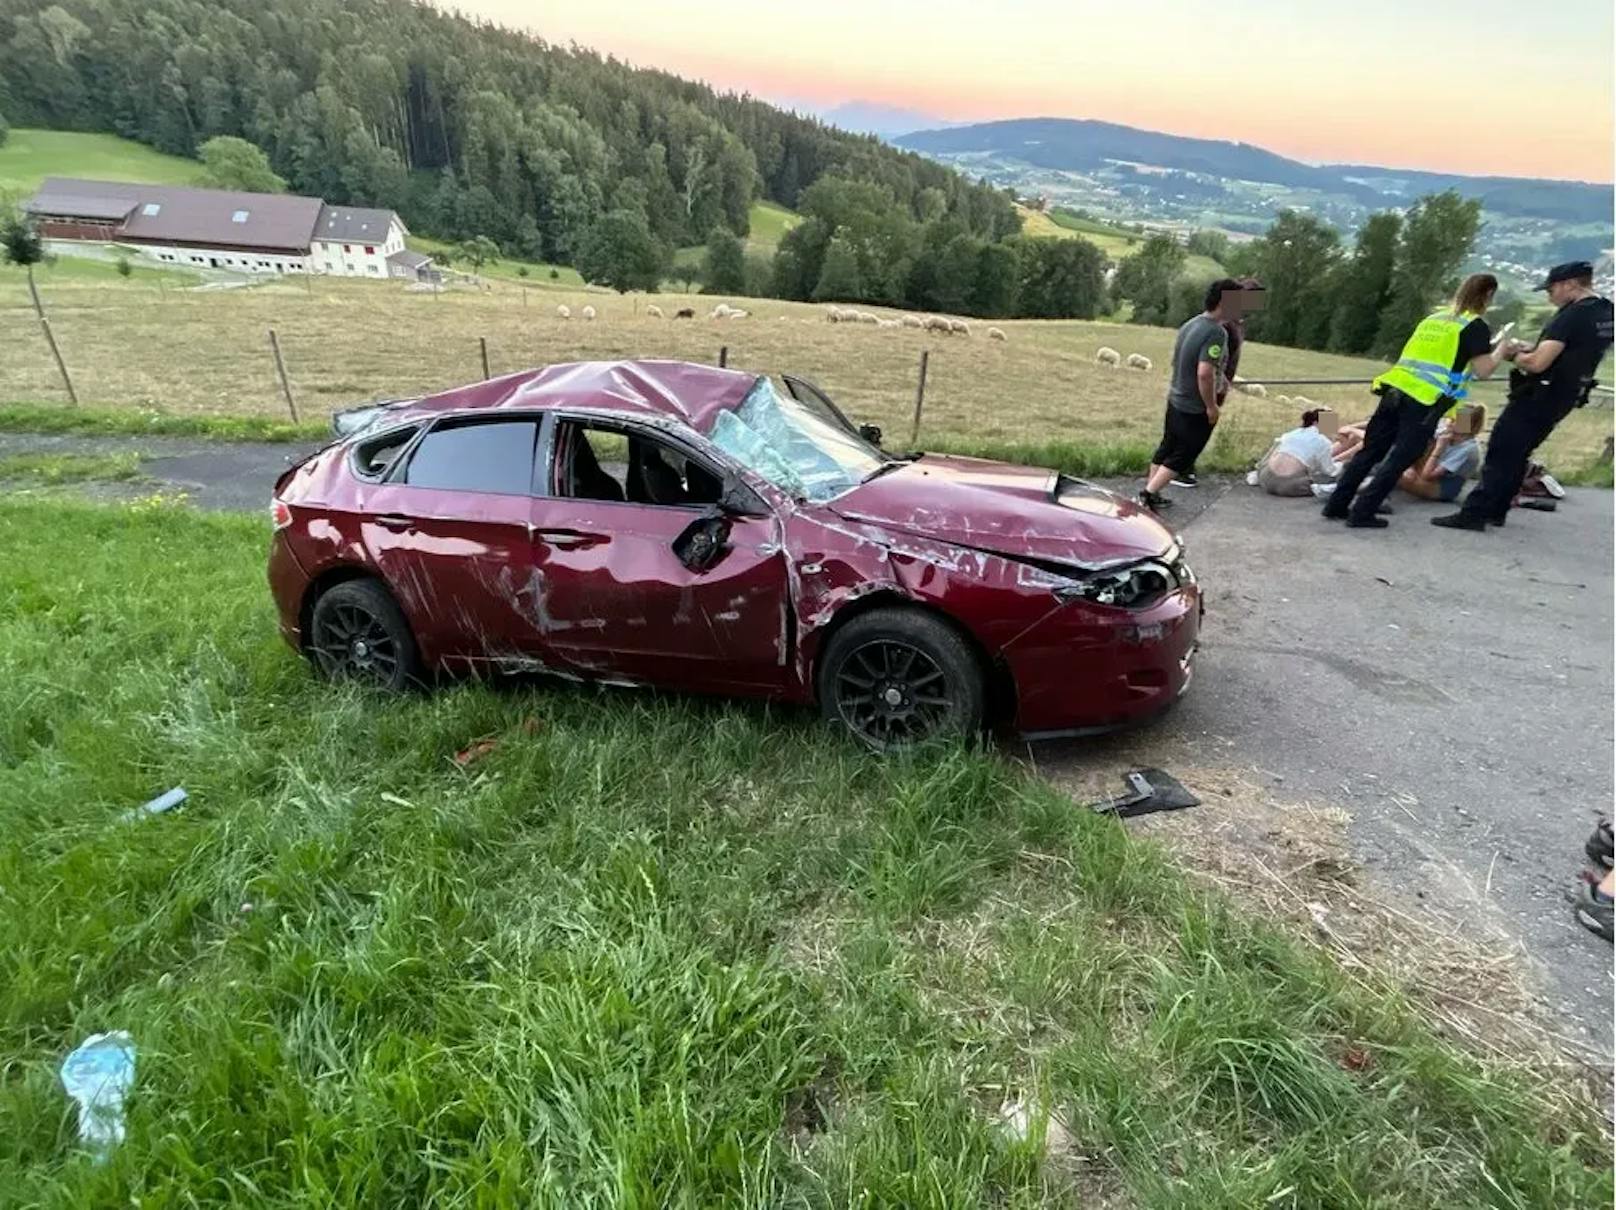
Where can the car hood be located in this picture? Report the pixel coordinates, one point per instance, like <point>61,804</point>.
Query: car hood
<point>1017,511</point>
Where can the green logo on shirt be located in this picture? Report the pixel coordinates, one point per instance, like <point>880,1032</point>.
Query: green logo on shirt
<point>1214,350</point>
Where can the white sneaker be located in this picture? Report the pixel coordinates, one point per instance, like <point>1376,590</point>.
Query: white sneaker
<point>1251,478</point>
<point>1323,490</point>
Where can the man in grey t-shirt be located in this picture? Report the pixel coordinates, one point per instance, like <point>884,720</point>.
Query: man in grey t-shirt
<point>1192,396</point>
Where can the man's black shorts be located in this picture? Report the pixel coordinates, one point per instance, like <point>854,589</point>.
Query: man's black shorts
<point>1184,436</point>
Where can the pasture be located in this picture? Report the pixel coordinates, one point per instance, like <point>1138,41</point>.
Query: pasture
<point>29,156</point>
<point>197,353</point>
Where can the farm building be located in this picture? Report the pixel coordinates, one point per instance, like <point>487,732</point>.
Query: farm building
<point>223,229</point>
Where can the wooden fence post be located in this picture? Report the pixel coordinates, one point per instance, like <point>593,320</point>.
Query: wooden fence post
<point>920,399</point>
<point>723,357</point>
<point>50,339</point>
<point>482,343</point>
<point>280,369</point>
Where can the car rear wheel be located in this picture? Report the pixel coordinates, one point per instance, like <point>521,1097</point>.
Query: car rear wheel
<point>358,633</point>
<point>896,677</point>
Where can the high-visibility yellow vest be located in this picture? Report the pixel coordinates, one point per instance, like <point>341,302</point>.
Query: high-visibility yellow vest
<point>1425,370</point>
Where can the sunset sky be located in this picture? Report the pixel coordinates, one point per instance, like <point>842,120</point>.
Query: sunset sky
<point>1483,86</point>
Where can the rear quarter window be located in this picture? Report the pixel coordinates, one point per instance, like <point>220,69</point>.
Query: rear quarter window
<point>374,456</point>
<point>491,456</point>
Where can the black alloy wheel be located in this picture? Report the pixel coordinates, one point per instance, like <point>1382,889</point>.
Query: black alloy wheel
<point>896,677</point>
<point>357,633</point>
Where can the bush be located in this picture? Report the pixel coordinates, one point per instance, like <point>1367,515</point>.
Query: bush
<point>522,271</point>
<point>124,267</point>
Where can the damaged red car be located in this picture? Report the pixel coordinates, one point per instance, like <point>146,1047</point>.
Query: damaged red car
<point>709,530</point>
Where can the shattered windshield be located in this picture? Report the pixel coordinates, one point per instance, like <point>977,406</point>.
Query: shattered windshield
<point>792,447</point>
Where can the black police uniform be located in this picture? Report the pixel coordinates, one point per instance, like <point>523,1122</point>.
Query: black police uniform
<point>1537,403</point>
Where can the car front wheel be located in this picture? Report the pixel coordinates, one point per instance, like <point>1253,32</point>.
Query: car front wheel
<point>358,633</point>
<point>896,677</point>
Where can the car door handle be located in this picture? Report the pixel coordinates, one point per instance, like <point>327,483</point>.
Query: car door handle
<point>567,539</point>
<point>395,521</point>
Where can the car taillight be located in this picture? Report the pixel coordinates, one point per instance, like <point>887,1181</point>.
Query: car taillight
<point>280,513</point>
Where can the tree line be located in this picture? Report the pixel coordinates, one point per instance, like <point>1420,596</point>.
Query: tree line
<point>1321,295</point>
<point>466,129</point>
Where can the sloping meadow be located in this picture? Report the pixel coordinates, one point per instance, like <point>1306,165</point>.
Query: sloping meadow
<point>637,950</point>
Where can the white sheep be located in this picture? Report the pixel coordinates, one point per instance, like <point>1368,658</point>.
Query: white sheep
<point>1106,356</point>
<point>959,326</point>
<point>563,311</point>
<point>737,313</point>
<point>588,313</point>
<point>834,315</point>
<point>997,334</point>
<point>936,323</point>
<point>912,321</point>
<point>721,311</point>
<point>1138,361</point>
<point>889,323</point>
<point>1285,399</point>
<point>1256,390</point>
<point>865,317</point>
<point>654,311</point>
<point>1303,402</point>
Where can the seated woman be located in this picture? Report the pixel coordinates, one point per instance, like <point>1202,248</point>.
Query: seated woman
<point>1455,457</point>
<point>1298,460</point>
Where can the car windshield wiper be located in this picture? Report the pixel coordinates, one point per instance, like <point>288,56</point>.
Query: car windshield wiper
<point>891,464</point>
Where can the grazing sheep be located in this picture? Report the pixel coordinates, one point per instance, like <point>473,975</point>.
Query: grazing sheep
<point>912,321</point>
<point>960,326</point>
<point>588,312</point>
<point>563,311</point>
<point>1108,357</point>
<point>654,311</point>
<point>936,323</point>
<point>1256,390</point>
<point>721,311</point>
<point>685,313</point>
<point>1138,361</point>
<point>1285,399</point>
<point>834,315</point>
<point>737,313</point>
<point>1303,402</point>
<point>997,334</point>
<point>890,323</point>
<point>864,317</point>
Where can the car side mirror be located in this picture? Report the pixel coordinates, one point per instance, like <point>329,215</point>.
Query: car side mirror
<point>871,433</point>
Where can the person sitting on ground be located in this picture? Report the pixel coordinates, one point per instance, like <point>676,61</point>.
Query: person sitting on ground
<point>1298,460</point>
<point>1455,458</point>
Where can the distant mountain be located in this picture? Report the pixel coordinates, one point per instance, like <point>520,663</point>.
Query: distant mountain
<point>1081,146</point>
<point>1072,145</point>
<point>884,121</point>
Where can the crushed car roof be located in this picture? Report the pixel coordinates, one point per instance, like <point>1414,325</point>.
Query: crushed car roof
<point>679,389</point>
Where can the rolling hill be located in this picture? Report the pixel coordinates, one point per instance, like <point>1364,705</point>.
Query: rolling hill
<point>29,156</point>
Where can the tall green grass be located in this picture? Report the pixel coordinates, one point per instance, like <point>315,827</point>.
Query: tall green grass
<point>647,952</point>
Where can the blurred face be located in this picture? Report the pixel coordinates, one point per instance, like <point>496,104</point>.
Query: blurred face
<point>1562,292</point>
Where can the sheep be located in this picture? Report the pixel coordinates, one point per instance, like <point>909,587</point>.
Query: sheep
<point>685,313</point>
<point>721,311</point>
<point>1138,361</point>
<point>890,323</point>
<point>936,323</point>
<point>959,326</point>
<point>997,334</point>
<point>1303,402</point>
<point>588,313</point>
<point>737,313</point>
<point>654,311</point>
<point>1107,357</point>
<point>834,315</point>
<point>912,321</point>
<point>864,317</point>
<point>1285,399</point>
<point>563,311</point>
<point>1256,390</point>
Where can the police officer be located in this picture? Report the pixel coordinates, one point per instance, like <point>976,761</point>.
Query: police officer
<point>1447,350</point>
<point>1548,381</point>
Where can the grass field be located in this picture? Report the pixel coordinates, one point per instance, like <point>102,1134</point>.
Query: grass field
<point>78,270</point>
<point>769,224</point>
<point>29,156</point>
<point>505,268</point>
<point>646,952</point>
<point>1058,225</point>
<point>193,354</point>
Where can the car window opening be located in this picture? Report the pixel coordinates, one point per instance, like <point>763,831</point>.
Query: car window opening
<point>374,458</point>
<point>605,464</point>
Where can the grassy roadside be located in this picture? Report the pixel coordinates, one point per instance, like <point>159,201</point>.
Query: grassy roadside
<point>50,470</point>
<point>645,952</point>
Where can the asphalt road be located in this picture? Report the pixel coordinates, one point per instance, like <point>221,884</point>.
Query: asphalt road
<point>1451,691</point>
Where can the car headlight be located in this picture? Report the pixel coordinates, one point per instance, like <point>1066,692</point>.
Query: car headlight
<point>1131,587</point>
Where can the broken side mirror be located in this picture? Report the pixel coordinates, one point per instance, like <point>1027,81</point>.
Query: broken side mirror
<point>871,433</point>
<point>703,542</point>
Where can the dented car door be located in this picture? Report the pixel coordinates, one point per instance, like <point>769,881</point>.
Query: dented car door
<point>685,596</point>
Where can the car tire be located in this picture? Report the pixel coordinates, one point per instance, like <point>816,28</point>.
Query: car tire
<point>358,633</point>
<point>896,677</point>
